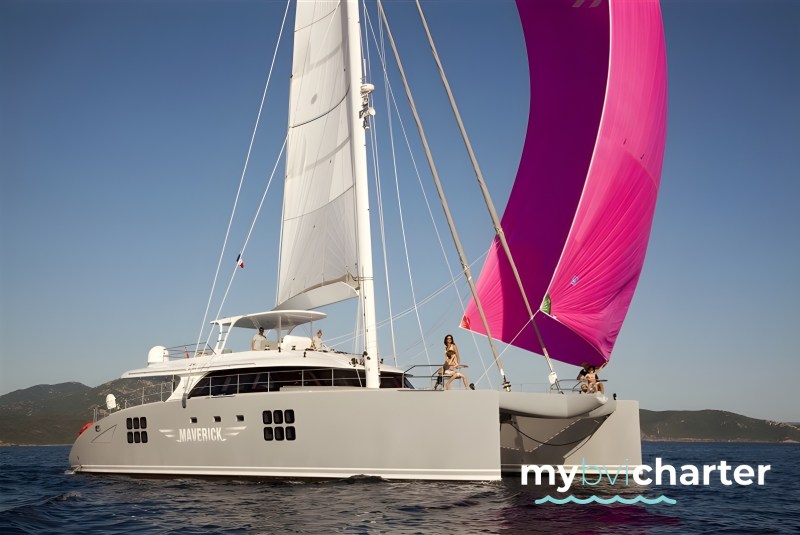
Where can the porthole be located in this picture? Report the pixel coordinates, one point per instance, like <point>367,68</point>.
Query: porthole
<point>277,417</point>
<point>267,415</point>
<point>144,437</point>
<point>130,436</point>
<point>129,423</point>
<point>136,437</point>
<point>143,421</point>
<point>279,433</point>
<point>240,417</point>
<point>288,416</point>
<point>217,418</point>
<point>290,433</point>
<point>136,423</point>
<point>267,433</point>
<point>193,419</point>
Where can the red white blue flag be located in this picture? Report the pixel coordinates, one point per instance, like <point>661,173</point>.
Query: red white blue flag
<point>239,261</point>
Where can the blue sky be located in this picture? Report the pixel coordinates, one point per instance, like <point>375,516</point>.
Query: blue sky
<point>124,127</point>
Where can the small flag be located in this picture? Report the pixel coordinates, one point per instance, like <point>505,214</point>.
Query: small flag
<point>239,261</point>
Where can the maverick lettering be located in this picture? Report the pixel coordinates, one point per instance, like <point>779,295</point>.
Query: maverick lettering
<point>200,434</point>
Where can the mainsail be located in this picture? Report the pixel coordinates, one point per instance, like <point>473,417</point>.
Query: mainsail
<point>318,259</point>
<point>580,212</point>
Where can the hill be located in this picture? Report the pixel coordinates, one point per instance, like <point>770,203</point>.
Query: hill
<point>712,425</point>
<point>53,414</point>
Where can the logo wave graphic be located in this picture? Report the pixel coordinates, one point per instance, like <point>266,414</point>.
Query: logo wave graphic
<point>606,501</point>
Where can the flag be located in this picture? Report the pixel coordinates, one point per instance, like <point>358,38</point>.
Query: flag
<point>239,261</point>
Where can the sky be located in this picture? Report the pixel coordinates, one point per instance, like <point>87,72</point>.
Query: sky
<point>124,129</point>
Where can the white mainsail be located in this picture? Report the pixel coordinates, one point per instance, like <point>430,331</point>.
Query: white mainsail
<point>318,260</point>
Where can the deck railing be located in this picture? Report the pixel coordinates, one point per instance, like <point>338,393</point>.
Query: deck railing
<point>186,351</point>
<point>275,380</point>
<point>141,396</point>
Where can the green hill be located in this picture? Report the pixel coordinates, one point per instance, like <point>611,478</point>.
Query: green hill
<point>711,425</point>
<point>53,414</point>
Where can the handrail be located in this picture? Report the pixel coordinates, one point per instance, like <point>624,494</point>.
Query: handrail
<point>141,396</point>
<point>186,351</point>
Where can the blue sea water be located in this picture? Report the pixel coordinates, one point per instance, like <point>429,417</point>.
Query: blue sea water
<point>39,495</point>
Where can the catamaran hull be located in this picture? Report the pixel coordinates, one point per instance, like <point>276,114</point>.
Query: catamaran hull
<point>601,439</point>
<point>317,433</point>
<point>336,433</point>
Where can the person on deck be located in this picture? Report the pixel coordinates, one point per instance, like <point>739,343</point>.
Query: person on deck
<point>259,342</point>
<point>582,376</point>
<point>316,342</point>
<point>452,363</point>
<point>593,383</point>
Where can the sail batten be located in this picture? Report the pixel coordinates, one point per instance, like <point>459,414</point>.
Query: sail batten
<point>580,212</point>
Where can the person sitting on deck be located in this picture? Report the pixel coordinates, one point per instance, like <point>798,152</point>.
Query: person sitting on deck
<point>316,342</point>
<point>452,363</point>
<point>593,383</point>
<point>582,376</point>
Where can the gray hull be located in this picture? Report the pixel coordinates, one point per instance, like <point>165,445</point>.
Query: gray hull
<point>605,440</point>
<point>342,432</point>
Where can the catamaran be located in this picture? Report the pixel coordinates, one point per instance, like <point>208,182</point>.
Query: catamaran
<point>557,281</point>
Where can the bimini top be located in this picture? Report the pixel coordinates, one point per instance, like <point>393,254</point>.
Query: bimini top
<point>282,320</point>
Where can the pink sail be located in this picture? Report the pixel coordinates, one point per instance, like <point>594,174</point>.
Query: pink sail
<point>580,212</point>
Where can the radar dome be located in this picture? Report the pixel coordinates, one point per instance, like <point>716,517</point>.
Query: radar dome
<point>157,355</point>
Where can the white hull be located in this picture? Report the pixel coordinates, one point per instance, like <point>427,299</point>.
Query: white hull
<point>344,432</point>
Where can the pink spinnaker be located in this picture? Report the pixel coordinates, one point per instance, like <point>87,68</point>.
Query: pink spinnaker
<point>580,212</point>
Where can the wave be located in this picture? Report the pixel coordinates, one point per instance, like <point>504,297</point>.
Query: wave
<point>606,501</point>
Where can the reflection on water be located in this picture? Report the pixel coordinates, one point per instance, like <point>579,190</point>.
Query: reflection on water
<point>37,494</point>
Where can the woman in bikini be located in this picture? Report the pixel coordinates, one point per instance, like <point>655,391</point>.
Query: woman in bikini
<point>452,362</point>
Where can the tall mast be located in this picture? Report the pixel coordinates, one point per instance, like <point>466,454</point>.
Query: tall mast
<point>358,105</point>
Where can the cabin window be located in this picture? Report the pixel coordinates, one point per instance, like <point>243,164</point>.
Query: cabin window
<point>268,433</point>
<point>240,417</point>
<point>279,433</point>
<point>246,381</point>
<point>193,419</point>
<point>217,418</point>
<point>130,436</point>
<point>290,433</point>
<point>277,417</point>
<point>267,416</point>
<point>144,437</point>
<point>129,423</point>
<point>288,416</point>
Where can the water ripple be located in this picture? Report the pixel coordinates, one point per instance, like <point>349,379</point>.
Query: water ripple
<point>36,496</point>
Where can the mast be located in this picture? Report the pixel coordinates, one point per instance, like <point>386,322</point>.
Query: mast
<point>358,103</point>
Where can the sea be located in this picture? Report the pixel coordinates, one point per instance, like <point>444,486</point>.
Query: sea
<point>39,494</point>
